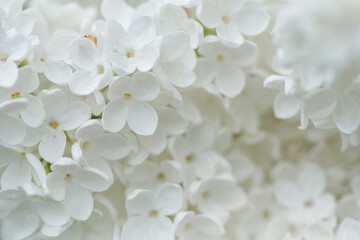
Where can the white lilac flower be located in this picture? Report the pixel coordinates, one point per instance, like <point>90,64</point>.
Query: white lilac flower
<point>97,148</point>
<point>232,19</point>
<point>12,129</point>
<point>128,104</point>
<point>21,167</point>
<point>24,210</point>
<point>222,64</point>
<point>201,227</point>
<point>94,72</point>
<point>27,83</point>
<point>134,48</point>
<point>60,116</point>
<point>73,184</point>
<point>150,211</point>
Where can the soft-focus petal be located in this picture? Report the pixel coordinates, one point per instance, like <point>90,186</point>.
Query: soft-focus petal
<point>52,212</point>
<point>93,179</point>
<point>141,32</point>
<point>83,82</point>
<point>52,145</point>
<point>286,106</point>
<point>34,115</point>
<point>21,222</point>
<point>75,114</point>
<point>79,202</point>
<point>230,80</point>
<point>252,20</point>
<point>56,72</point>
<point>111,146</point>
<point>8,74</point>
<point>83,53</point>
<point>347,114</point>
<point>114,116</point>
<point>145,86</point>
<point>174,45</point>
<point>169,199</point>
<point>12,130</point>
<point>141,118</point>
<point>16,174</point>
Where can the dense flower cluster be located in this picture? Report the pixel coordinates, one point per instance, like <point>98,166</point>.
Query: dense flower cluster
<point>154,120</point>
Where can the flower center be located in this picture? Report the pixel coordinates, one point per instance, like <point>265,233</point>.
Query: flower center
<point>161,176</point>
<point>68,177</point>
<point>225,19</point>
<point>92,38</point>
<point>220,58</point>
<point>101,69</point>
<point>15,95</point>
<point>127,96</point>
<point>265,214</point>
<point>53,124</point>
<point>153,213</point>
<point>189,158</point>
<point>129,53</point>
<point>205,195</point>
<point>308,203</point>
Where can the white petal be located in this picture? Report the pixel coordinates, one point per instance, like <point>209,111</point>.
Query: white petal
<point>244,55</point>
<point>52,212</point>
<point>79,202</point>
<point>136,228</point>
<point>93,180</point>
<point>89,130</point>
<point>16,174</point>
<point>174,45</point>
<point>169,199</point>
<point>171,121</point>
<point>75,114</point>
<point>114,116</point>
<point>123,65</point>
<point>230,80</point>
<point>21,222</point>
<point>117,10</point>
<point>162,229</point>
<point>56,185</point>
<point>252,20</point>
<point>52,145</point>
<point>12,130</point>
<point>319,103</point>
<point>145,86</point>
<point>209,14</point>
<point>286,106</point>
<point>83,82</point>
<point>8,74</point>
<point>34,115</point>
<point>287,193</point>
<point>38,171</point>
<point>54,101</point>
<point>312,180</point>
<point>208,224</point>
<point>229,34</point>
<point>201,137</point>
<point>83,53</point>
<point>24,23</point>
<point>155,143</point>
<point>140,202</point>
<point>141,118</point>
<point>141,32</point>
<point>347,114</point>
<point>179,74</point>
<point>57,72</point>
<point>28,80</point>
<point>111,146</point>
<point>146,57</point>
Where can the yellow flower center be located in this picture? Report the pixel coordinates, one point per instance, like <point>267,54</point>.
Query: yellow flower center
<point>127,96</point>
<point>92,38</point>
<point>53,124</point>
<point>15,95</point>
